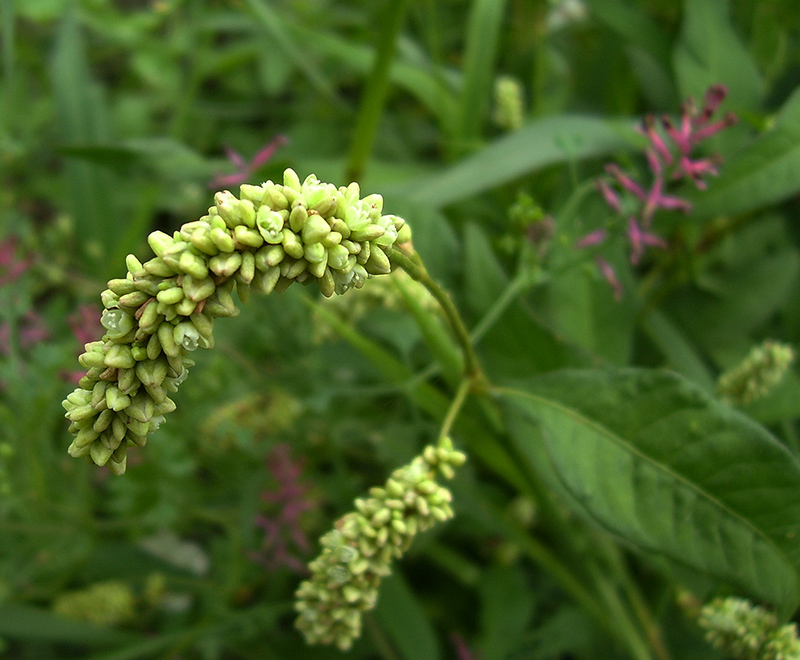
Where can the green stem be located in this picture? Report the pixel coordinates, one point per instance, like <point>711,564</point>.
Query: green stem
<point>472,368</point>
<point>377,88</point>
<point>455,407</point>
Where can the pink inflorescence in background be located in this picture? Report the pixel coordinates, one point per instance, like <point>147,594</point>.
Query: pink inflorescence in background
<point>669,159</point>
<point>285,542</point>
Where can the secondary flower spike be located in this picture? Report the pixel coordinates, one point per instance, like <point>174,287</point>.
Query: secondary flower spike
<point>269,237</point>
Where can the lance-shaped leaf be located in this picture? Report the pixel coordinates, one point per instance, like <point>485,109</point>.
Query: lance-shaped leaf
<point>652,458</point>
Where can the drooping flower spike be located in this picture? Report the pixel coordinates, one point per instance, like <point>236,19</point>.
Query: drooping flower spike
<point>270,237</point>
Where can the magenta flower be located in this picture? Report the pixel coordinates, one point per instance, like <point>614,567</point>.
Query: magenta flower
<point>284,537</point>
<point>30,330</point>
<point>669,158</point>
<point>10,266</point>
<point>245,170</point>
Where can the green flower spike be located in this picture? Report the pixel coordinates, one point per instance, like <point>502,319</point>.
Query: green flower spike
<point>270,237</point>
<point>358,552</point>
<point>748,632</point>
<point>760,371</point>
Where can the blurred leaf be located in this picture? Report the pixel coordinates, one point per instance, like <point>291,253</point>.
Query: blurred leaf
<point>710,52</point>
<point>507,605</point>
<point>652,458</point>
<point>402,618</point>
<point>753,281</point>
<point>7,29</point>
<point>482,38</point>
<point>766,172</point>
<point>561,139</point>
<point>26,622</point>
<point>278,35</point>
<point>676,348</point>
<point>81,107</point>
<point>160,157</point>
<point>647,43</point>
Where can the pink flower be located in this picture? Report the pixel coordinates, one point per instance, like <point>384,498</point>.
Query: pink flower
<point>639,239</point>
<point>607,271</point>
<point>244,169</point>
<point>284,536</point>
<point>31,330</point>
<point>10,266</point>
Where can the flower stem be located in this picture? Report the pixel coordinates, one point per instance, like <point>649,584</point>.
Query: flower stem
<point>414,267</point>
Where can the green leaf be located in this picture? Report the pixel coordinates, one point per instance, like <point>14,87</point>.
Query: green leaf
<point>548,141</point>
<point>483,36</point>
<point>766,172</point>
<point>507,605</point>
<point>653,459</point>
<point>26,622</point>
<point>402,618</point>
<point>710,52</point>
<point>678,351</point>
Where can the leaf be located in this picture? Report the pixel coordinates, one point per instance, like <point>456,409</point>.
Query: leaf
<point>26,622</point>
<point>710,52</point>
<point>507,605</point>
<point>653,459</point>
<point>766,172</point>
<point>681,356</point>
<point>158,156</point>
<point>483,36</point>
<point>559,139</point>
<point>402,618</point>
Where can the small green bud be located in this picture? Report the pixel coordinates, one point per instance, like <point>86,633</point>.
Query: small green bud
<point>170,296</point>
<point>292,244</point>
<point>167,340</point>
<point>193,265</point>
<point>185,307</point>
<point>378,263</point>
<point>153,347</point>
<point>222,240</point>
<point>315,253</point>
<point>247,270</point>
<point>120,357</point>
<point>159,242</point>
<point>298,217</point>
<point>252,193</point>
<point>158,268</point>
<point>276,199</point>
<point>135,267</point>
<point>225,265</point>
<point>150,317</point>
<point>269,224</point>
<point>269,256</point>
<point>201,240</point>
<point>198,289</point>
<point>291,180</point>
<point>122,286</point>
<point>338,257</point>
<point>92,359</point>
<point>266,280</point>
<point>315,229</point>
<point>368,233</point>
<point>100,453</point>
<point>248,237</point>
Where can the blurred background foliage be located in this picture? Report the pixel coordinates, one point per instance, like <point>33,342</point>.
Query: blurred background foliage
<point>121,117</point>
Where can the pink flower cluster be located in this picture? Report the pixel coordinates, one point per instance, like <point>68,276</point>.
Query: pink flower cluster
<point>246,169</point>
<point>284,536</point>
<point>668,162</point>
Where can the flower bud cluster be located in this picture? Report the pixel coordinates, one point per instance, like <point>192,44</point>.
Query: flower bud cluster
<point>760,371</point>
<point>359,550</point>
<point>748,632</point>
<point>380,293</point>
<point>103,604</point>
<point>270,237</point>
<point>509,110</point>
